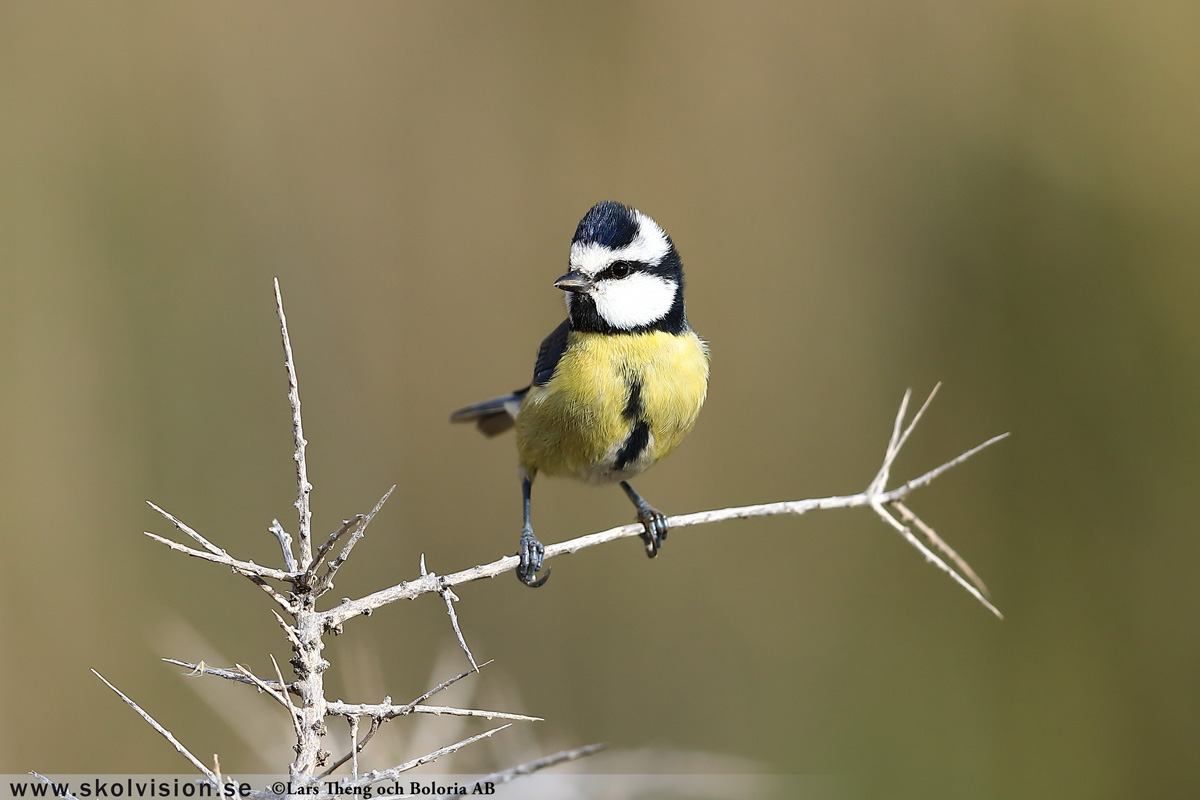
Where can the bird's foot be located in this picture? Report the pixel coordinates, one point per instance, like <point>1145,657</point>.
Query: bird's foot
<point>532,552</point>
<point>655,524</point>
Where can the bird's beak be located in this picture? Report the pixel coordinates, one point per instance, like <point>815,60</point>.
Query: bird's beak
<point>574,281</point>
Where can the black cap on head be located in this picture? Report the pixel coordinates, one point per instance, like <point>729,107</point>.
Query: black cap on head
<point>608,224</point>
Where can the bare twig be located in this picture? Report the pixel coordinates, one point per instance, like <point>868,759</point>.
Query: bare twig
<point>928,478</point>
<point>233,563</point>
<point>451,711</point>
<point>402,711</point>
<point>879,482</point>
<point>229,675</point>
<point>303,487</point>
<point>205,543</point>
<point>353,754</point>
<point>285,544</point>
<point>218,555</point>
<point>504,776</point>
<point>346,525</point>
<point>286,695</point>
<point>909,518</point>
<point>383,711</point>
<point>932,558</point>
<point>166,734</point>
<point>382,775</point>
<point>450,599</point>
<point>446,684</point>
<point>917,417</point>
<point>325,583</point>
<point>899,437</point>
<point>289,631</point>
<point>386,711</point>
<point>354,747</point>
<point>280,697</point>
<point>247,568</point>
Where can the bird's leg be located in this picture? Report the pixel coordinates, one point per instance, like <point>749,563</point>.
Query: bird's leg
<point>531,551</point>
<point>653,520</point>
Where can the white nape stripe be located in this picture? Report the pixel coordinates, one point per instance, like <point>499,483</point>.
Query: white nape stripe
<point>636,300</point>
<point>649,246</point>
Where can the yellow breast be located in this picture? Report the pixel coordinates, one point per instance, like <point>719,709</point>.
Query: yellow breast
<point>617,404</point>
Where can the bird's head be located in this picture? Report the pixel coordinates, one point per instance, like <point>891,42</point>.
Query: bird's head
<point>625,275</point>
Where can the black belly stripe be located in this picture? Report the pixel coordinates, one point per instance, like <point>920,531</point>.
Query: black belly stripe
<point>639,435</point>
<point>633,407</point>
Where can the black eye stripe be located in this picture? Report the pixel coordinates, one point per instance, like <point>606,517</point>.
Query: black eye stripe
<point>619,269</point>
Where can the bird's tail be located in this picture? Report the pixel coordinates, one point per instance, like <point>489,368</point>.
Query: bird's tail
<point>492,416</point>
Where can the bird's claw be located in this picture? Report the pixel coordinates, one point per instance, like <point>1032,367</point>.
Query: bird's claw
<point>531,553</point>
<point>655,524</point>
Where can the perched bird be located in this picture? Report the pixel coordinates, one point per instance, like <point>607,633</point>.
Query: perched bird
<point>618,384</point>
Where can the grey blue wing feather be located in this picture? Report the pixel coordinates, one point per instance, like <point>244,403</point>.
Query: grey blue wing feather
<point>549,353</point>
<point>492,416</point>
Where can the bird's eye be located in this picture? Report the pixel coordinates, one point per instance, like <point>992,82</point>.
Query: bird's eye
<point>620,269</point>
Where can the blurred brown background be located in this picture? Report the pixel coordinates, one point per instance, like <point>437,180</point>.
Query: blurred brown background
<point>867,197</point>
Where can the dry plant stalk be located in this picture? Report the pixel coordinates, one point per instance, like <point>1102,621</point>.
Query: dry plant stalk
<point>307,575</point>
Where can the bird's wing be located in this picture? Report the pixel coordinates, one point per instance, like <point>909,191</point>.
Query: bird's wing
<point>551,350</point>
<point>492,416</point>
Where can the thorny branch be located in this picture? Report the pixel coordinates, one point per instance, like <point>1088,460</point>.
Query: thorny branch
<point>166,734</point>
<point>385,711</point>
<point>360,530</point>
<point>302,585</point>
<point>335,708</point>
<point>393,772</point>
<point>303,487</point>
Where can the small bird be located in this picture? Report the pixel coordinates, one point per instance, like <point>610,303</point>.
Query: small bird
<point>618,384</point>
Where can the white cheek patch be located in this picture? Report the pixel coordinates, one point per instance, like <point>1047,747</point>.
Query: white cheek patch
<point>649,246</point>
<point>636,300</point>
